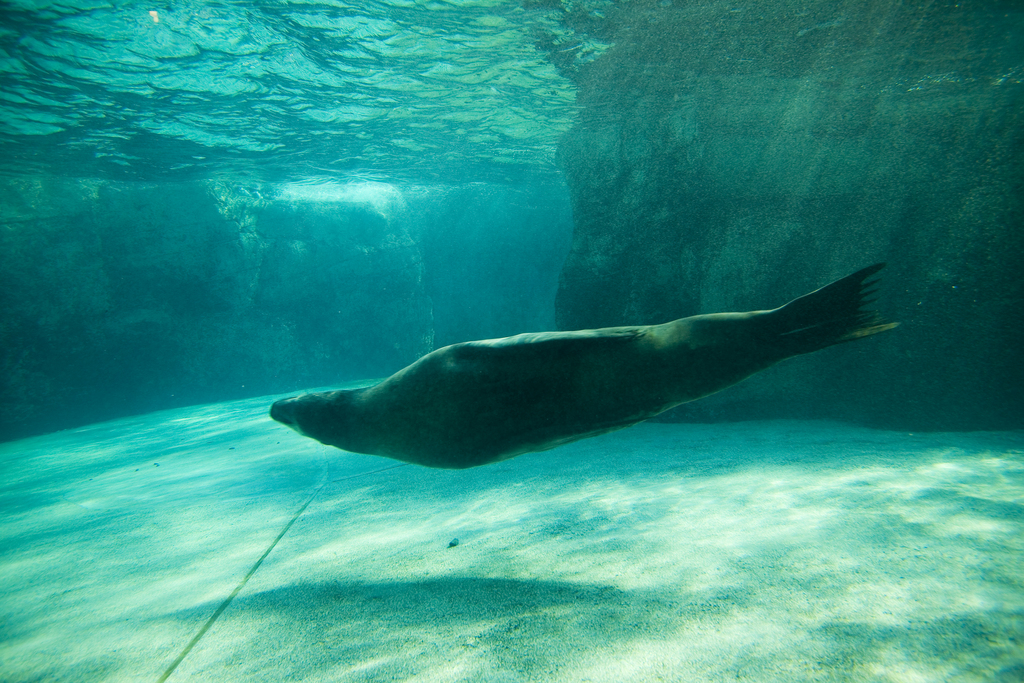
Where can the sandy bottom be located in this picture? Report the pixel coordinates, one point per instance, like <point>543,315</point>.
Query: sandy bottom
<point>761,551</point>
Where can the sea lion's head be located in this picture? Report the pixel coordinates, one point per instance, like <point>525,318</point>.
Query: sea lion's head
<point>286,411</point>
<point>325,416</point>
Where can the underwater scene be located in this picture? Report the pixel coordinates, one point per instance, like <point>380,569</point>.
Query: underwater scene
<point>512,341</point>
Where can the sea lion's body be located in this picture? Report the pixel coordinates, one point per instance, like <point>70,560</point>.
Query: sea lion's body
<point>479,402</point>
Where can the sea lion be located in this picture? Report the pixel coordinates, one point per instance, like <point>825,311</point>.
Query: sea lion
<point>480,402</point>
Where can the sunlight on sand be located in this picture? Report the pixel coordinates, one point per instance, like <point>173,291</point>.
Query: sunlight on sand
<point>760,551</point>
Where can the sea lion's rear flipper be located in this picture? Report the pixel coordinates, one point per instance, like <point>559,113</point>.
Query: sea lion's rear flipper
<point>830,315</point>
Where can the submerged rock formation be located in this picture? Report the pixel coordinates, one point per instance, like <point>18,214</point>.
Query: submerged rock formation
<point>730,157</point>
<point>122,298</point>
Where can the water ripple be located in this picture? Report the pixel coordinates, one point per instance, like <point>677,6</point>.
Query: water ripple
<point>451,90</point>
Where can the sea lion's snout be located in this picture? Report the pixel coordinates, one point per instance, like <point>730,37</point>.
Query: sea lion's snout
<point>283,412</point>
<point>324,416</point>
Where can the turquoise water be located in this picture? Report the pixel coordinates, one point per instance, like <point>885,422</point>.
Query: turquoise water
<point>207,206</point>
<point>420,91</point>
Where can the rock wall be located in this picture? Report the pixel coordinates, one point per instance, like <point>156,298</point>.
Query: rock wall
<point>731,157</point>
<point>122,298</point>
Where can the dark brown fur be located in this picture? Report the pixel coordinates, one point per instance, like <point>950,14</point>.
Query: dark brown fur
<point>480,402</point>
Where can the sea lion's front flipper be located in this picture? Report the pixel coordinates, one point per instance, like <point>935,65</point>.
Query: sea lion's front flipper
<point>831,315</point>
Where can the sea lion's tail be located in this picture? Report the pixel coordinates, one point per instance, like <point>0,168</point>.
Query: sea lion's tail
<point>830,315</point>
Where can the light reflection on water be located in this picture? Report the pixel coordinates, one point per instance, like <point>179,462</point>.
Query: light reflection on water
<point>411,91</point>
